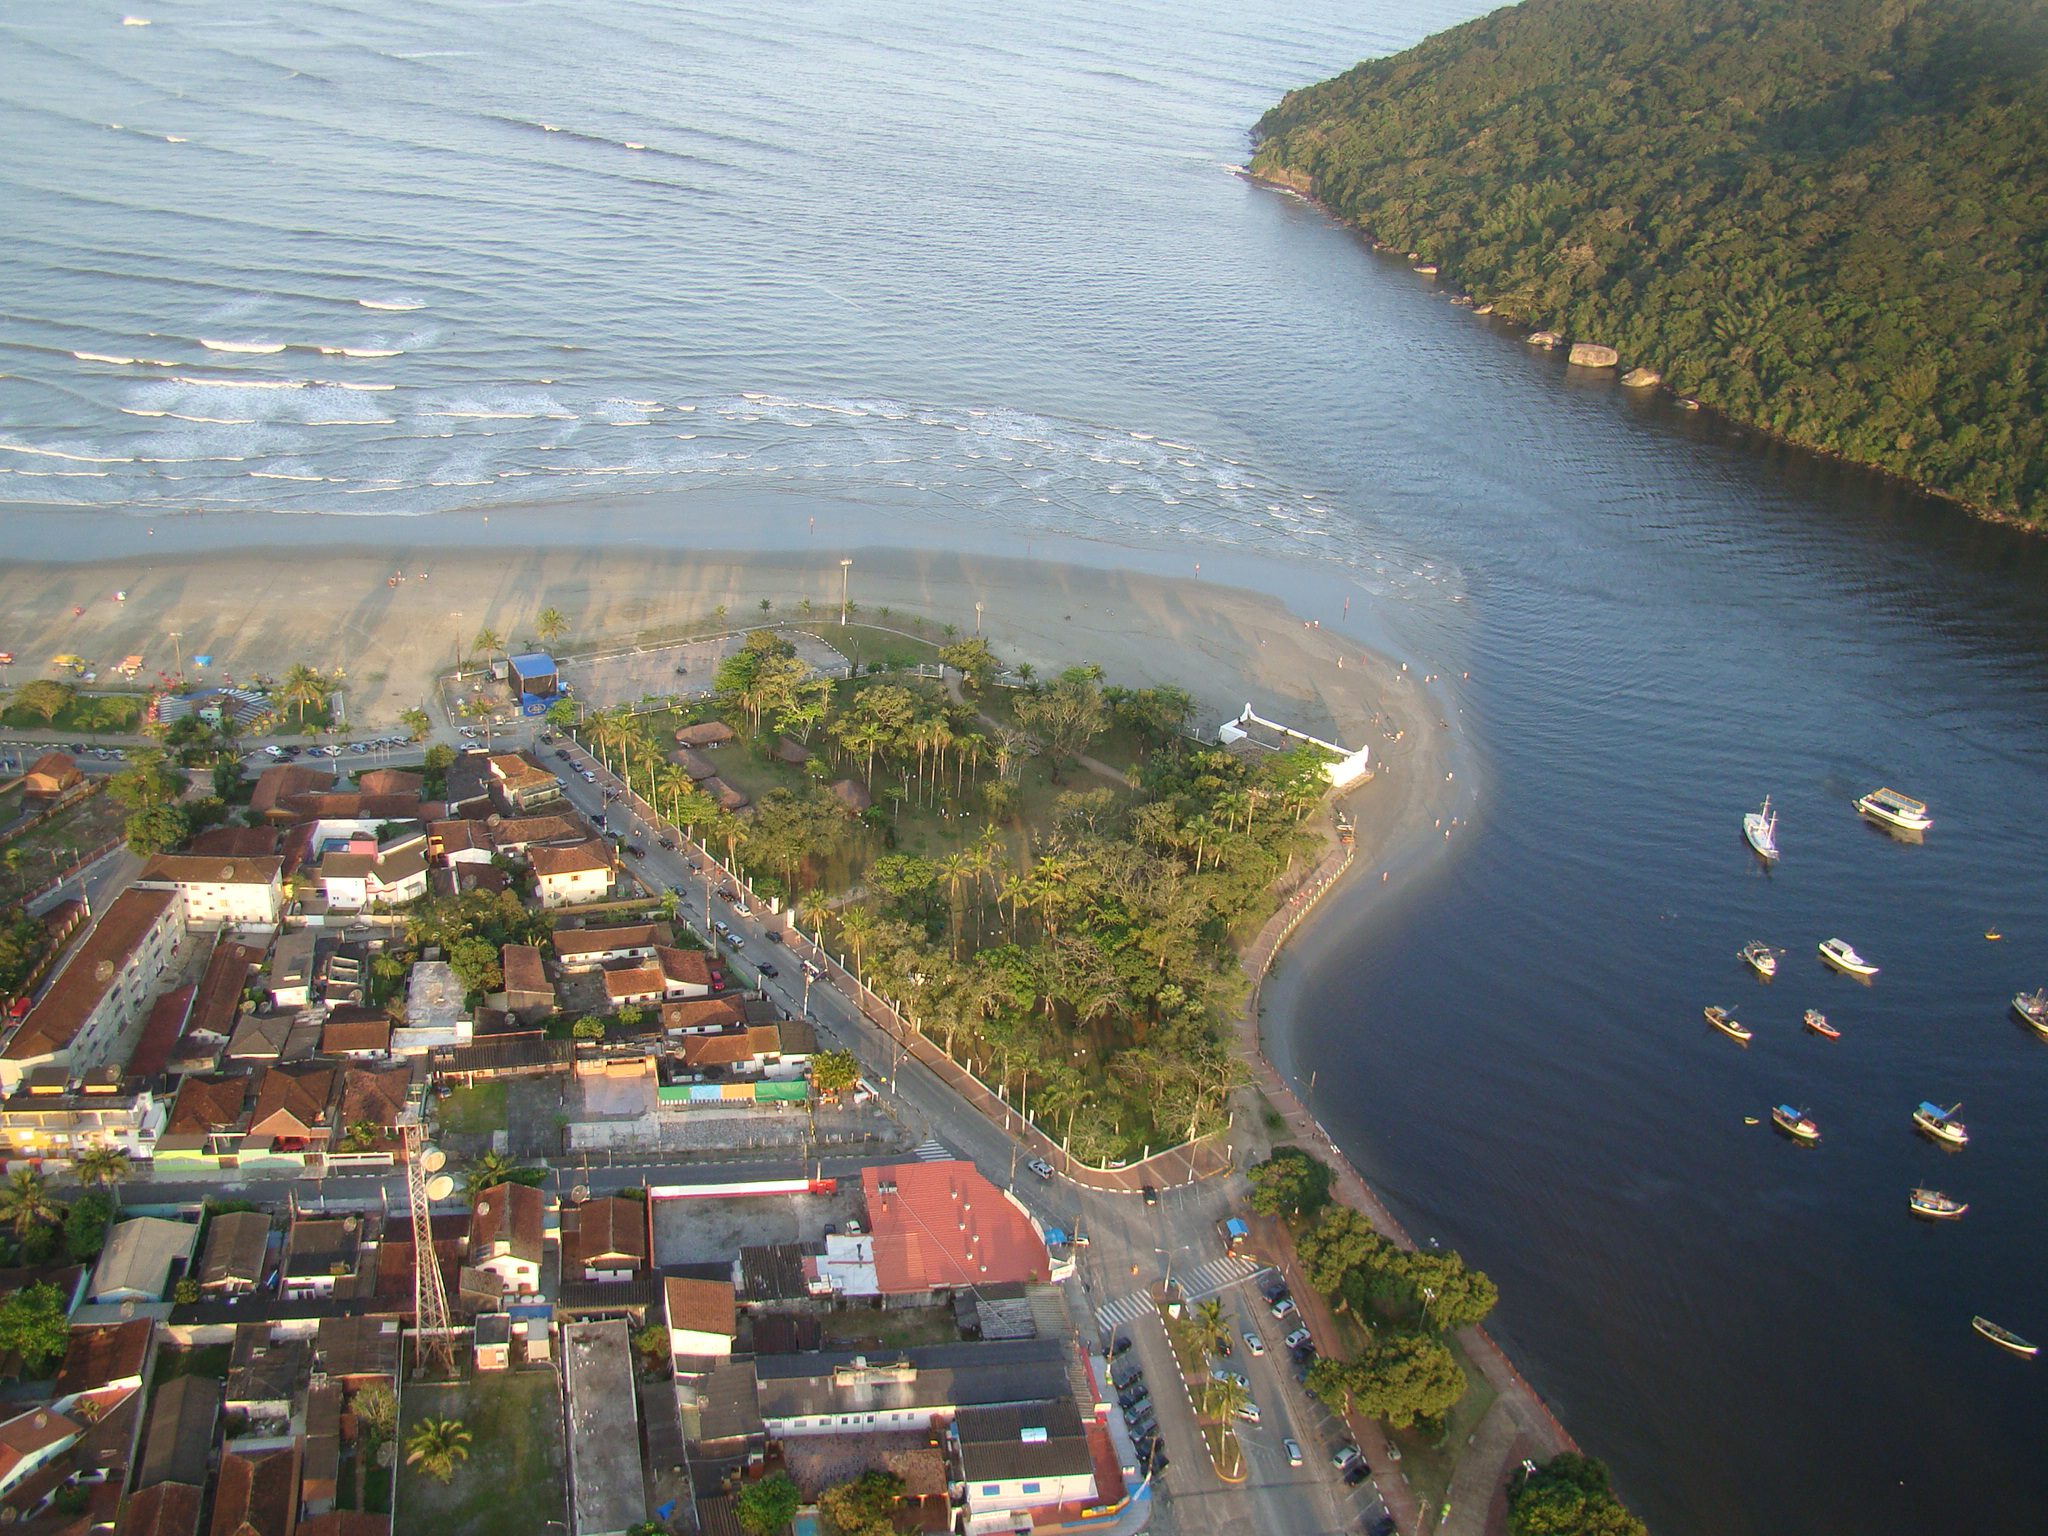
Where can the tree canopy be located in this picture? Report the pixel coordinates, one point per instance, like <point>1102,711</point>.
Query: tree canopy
<point>1289,1183</point>
<point>1824,217</point>
<point>1568,1496</point>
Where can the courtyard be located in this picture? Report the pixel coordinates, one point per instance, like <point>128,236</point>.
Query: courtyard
<point>512,1483</point>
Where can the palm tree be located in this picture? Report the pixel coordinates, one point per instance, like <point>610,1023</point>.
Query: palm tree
<point>482,710</point>
<point>302,686</point>
<point>417,723</point>
<point>488,1172</point>
<point>487,643</point>
<point>25,1204</point>
<point>1210,1324</point>
<point>435,1445</point>
<point>857,927</point>
<point>550,626</point>
<point>1223,1397</point>
<point>102,1167</point>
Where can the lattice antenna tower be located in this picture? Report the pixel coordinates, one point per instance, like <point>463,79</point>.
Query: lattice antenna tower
<point>425,1183</point>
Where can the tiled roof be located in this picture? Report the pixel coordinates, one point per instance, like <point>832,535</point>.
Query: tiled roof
<point>945,1225</point>
<point>612,1226</point>
<point>373,1094</point>
<point>635,981</point>
<point>162,1509</point>
<point>281,779</point>
<point>200,869</point>
<point>341,1036</point>
<point>523,969</point>
<point>85,982</point>
<point>390,781</point>
<point>574,943</point>
<point>702,1013</point>
<point>99,1356</point>
<point>515,1213</point>
<point>206,1104</point>
<point>236,842</point>
<point>701,1306</point>
<point>691,967</point>
<point>577,859</point>
<point>517,831</point>
<point>256,1495</point>
<point>727,1050</point>
<point>302,1093</point>
<point>237,1243</point>
<point>159,1040</point>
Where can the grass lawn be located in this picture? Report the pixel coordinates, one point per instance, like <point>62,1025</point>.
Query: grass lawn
<point>1431,1460</point>
<point>475,1111</point>
<point>512,1483</point>
<point>891,1329</point>
<point>88,714</point>
<point>86,824</point>
<point>863,645</point>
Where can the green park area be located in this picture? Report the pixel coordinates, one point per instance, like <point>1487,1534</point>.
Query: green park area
<point>507,1477</point>
<point>64,710</point>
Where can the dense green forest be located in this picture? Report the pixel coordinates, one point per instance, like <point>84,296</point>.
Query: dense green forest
<point>1823,217</point>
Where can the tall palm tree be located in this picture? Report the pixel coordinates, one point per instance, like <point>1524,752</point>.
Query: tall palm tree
<point>1223,1397</point>
<point>486,644</point>
<point>102,1167</point>
<point>857,928</point>
<point>1210,1324</point>
<point>483,711</point>
<point>435,1445</point>
<point>25,1204</point>
<point>488,1172</point>
<point>302,686</point>
<point>550,626</point>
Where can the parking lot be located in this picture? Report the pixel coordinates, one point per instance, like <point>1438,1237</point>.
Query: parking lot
<point>714,1231</point>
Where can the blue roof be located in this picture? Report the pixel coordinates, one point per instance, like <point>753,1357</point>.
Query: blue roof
<point>531,662</point>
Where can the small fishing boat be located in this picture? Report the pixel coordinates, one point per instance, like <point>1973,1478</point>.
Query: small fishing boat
<point>1941,1124</point>
<point>1818,1023</point>
<point>1936,1206</point>
<point>1895,810</point>
<point>2033,1008</point>
<point>1795,1123</point>
<point>2004,1338</point>
<point>1725,1021</point>
<point>1759,957</point>
<point>1761,828</point>
<point>1841,954</point>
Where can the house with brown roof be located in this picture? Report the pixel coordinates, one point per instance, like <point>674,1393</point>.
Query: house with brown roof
<point>208,1123</point>
<point>51,775</point>
<point>703,1318</point>
<point>102,1357</point>
<point>236,843</point>
<point>356,1351</point>
<point>528,992</point>
<point>32,1440</point>
<point>162,1509</point>
<point>99,999</point>
<point>709,733</point>
<point>521,783</point>
<point>356,1034</point>
<point>375,1096</point>
<point>279,782</point>
<point>294,1110</point>
<point>460,842</point>
<point>219,891</point>
<point>325,1256</point>
<point>702,1016</point>
<point>604,1239</point>
<point>507,1237</point>
<point>257,1494</point>
<point>237,1251</point>
<point>390,781</point>
<point>392,876</point>
<point>177,1446</point>
<point>516,834</point>
<point>942,1226</point>
<point>569,876</point>
<point>585,949</point>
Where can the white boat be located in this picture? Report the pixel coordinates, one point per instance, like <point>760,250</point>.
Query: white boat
<point>1896,810</point>
<point>1941,1124</point>
<point>2004,1338</point>
<point>1843,957</point>
<point>1936,1206</point>
<point>1725,1021</point>
<point>1761,828</point>
<point>1759,957</point>
<point>2033,1007</point>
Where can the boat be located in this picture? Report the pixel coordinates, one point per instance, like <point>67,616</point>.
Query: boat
<point>1759,957</point>
<point>1895,810</point>
<point>2033,1007</point>
<point>1818,1023</point>
<point>1936,1206</point>
<point>1841,954</point>
<point>2004,1338</point>
<point>1795,1123</point>
<point>1942,1124</point>
<point>1761,828</point>
<point>1725,1021</point>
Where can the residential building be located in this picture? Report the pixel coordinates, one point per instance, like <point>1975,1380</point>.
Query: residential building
<point>267,1376</point>
<point>604,1239</point>
<point>294,1110</point>
<point>208,1121</point>
<point>324,1256</point>
<point>390,781</point>
<point>102,1358</point>
<point>356,1034</point>
<point>163,1509</point>
<point>1019,1458</point>
<point>493,1340</point>
<point>291,968</point>
<point>245,893</point>
<point>703,1319</point>
<point>941,1225</point>
<point>356,1351</point>
<point>51,775</point>
<point>53,1115</point>
<point>236,842</point>
<point>587,949</point>
<point>567,877</point>
<point>461,842</point>
<point>390,877</point>
<point>137,1261</point>
<point>281,781</point>
<point>257,1494</point>
<point>436,1011</point>
<point>704,1016</point>
<point>606,1486</point>
<point>843,1393</point>
<point>507,1235</point>
<point>516,834</point>
<point>521,783</point>
<point>237,1253</point>
<point>31,1441</point>
<point>177,1446</point>
<point>85,1018</point>
<point>320,1466</point>
<point>528,992</point>
<point>374,1097</point>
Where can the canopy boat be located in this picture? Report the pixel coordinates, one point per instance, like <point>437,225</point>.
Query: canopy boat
<point>2033,1007</point>
<point>1795,1123</point>
<point>1724,1020</point>
<point>1935,1206</point>
<point>1759,957</point>
<point>1942,1124</point>
<point>1895,810</point>
<point>2004,1338</point>
<point>1818,1023</point>
<point>1761,828</point>
<point>1843,957</point>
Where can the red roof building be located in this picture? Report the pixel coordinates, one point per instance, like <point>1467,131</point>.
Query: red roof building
<point>940,1226</point>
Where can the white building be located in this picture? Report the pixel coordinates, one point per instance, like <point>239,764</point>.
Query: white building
<point>1346,767</point>
<point>30,1441</point>
<point>389,877</point>
<point>702,1317</point>
<point>98,1001</point>
<point>243,893</point>
<point>570,876</point>
<point>1017,1459</point>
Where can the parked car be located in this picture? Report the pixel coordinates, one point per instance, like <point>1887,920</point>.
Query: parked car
<point>1343,1456</point>
<point>727,893</point>
<point>774,935</point>
<point>1041,1167</point>
<point>1249,1413</point>
<point>741,908</point>
<point>562,753</point>
<point>1255,1344</point>
<point>1293,1450</point>
<point>767,968</point>
<point>1299,1337</point>
<point>813,970</point>
<point>1357,1473</point>
<point>636,850</point>
<point>667,842</point>
<point>1283,1307</point>
<point>1122,1346</point>
<point>1237,1376</point>
<point>1151,1195</point>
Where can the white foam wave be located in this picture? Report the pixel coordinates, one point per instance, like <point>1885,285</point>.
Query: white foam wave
<point>278,474</point>
<point>396,306</point>
<point>176,138</point>
<point>257,348</point>
<point>370,351</point>
<point>58,453</point>
<point>185,378</point>
<point>129,410</point>
<point>215,421</point>
<point>103,357</point>
<point>487,415</point>
<point>368,389</point>
<point>350,421</point>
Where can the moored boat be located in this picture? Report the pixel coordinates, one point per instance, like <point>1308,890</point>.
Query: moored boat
<point>1936,1206</point>
<point>1761,828</point>
<point>1725,1021</point>
<point>2004,1338</point>
<point>1818,1023</point>
<point>1941,1124</point>
<point>1759,957</point>
<point>2033,1008</point>
<point>1795,1123</point>
<point>1841,954</point>
<point>1895,810</point>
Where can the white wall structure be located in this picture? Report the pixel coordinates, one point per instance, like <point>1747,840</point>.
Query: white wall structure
<point>1350,766</point>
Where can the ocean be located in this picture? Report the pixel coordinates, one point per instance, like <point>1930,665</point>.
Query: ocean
<point>990,275</point>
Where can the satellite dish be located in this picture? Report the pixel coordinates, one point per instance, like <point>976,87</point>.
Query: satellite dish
<point>432,1158</point>
<point>440,1187</point>
<point>580,1193</point>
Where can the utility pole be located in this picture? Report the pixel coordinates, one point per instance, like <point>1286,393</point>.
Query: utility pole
<point>844,566</point>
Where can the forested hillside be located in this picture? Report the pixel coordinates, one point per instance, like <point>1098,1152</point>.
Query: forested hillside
<point>1828,218</point>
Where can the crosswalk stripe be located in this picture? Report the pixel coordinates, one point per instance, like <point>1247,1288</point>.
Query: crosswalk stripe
<point>932,1150</point>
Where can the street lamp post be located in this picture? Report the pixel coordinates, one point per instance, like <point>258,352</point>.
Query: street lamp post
<point>178,642</point>
<point>977,617</point>
<point>844,567</point>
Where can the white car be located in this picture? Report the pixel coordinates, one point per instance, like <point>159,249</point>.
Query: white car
<point>1041,1167</point>
<point>741,909</point>
<point>1293,1450</point>
<point>1283,1306</point>
<point>273,750</point>
<point>1249,1413</point>
<point>1299,1337</point>
<point>1255,1344</point>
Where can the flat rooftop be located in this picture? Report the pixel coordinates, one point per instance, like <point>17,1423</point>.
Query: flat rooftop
<point>606,1493</point>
